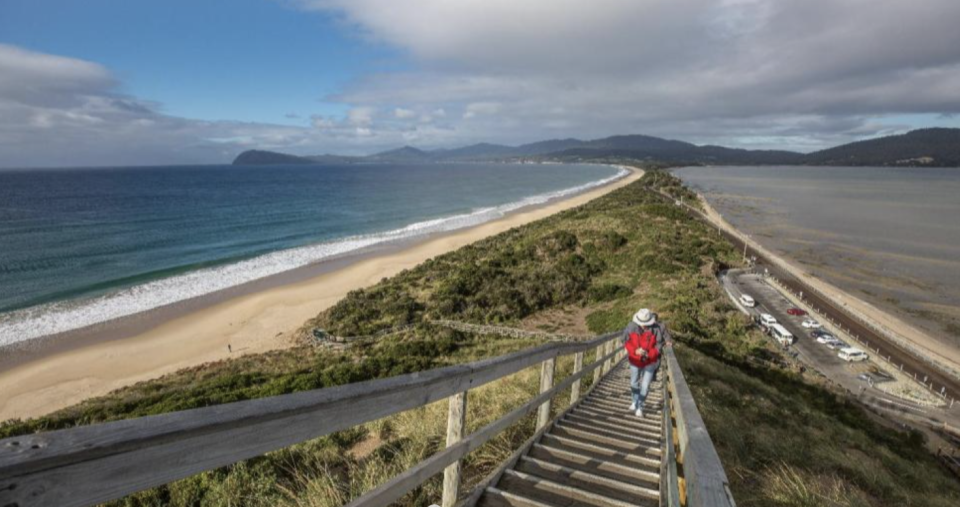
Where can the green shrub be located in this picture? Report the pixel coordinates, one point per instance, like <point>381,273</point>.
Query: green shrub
<point>608,292</point>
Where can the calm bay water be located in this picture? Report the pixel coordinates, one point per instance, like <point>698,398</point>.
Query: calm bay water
<point>80,246</point>
<point>890,235</point>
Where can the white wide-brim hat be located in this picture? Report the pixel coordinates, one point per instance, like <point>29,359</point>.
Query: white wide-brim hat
<point>644,317</point>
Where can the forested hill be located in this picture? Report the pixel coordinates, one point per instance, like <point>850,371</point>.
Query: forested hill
<point>935,147</point>
<point>926,147</point>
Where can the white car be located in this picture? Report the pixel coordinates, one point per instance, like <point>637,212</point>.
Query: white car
<point>811,324</point>
<point>781,334</point>
<point>826,338</point>
<point>851,354</point>
<point>747,301</point>
<point>836,344</point>
<point>767,320</point>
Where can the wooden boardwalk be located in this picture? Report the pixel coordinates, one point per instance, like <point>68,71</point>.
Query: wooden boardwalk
<point>597,454</point>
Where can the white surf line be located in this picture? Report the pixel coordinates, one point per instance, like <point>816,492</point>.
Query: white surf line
<point>43,320</point>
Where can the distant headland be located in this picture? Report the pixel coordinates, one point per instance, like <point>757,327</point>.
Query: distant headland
<point>933,147</point>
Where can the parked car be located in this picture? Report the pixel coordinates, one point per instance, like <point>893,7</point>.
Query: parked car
<point>782,335</point>
<point>796,312</point>
<point>767,320</point>
<point>747,301</point>
<point>817,333</point>
<point>864,377</point>
<point>836,345</point>
<point>826,338</point>
<point>810,324</point>
<point>851,354</point>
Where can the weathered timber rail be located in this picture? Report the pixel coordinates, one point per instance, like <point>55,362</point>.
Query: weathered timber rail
<point>703,482</point>
<point>88,465</point>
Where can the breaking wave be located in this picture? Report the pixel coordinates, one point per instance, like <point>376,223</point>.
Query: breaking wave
<point>43,320</point>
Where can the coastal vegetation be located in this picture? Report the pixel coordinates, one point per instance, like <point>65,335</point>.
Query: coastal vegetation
<point>785,438</point>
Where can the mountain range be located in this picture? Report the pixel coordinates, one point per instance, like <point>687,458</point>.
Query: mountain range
<point>934,147</point>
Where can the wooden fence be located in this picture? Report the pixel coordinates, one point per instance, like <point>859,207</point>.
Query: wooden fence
<point>92,464</point>
<point>88,465</point>
<point>692,473</point>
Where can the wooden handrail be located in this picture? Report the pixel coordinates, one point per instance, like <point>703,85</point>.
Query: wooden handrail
<point>704,482</point>
<point>92,464</point>
<point>400,485</point>
<point>669,477</point>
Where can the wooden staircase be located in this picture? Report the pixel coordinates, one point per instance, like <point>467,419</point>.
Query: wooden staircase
<point>596,454</point>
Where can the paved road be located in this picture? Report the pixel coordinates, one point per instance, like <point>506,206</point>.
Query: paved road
<point>814,354</point>
<point>822,358</point>
<point>912,365</point>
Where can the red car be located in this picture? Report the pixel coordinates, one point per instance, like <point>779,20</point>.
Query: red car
<point>796,312</point>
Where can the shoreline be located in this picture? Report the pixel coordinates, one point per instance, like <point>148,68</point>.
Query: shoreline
<point>891,325</point>
<point>263,315</point>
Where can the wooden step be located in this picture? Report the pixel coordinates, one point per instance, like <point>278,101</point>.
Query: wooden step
<point>493,497</point>
<point>625,387</point>
<point>622,467</point>
<point>620,411</point>
<point>627,420</point>
<point>609,443</point>
<point>621,402</point>
<point>644,457</point>
<point>619,426</point>
<point>626,395</point>
<point>634,474</point>
<point>620,408</point>
<point>607,433</point>
<point>554,493</point>
<point>605,486</point>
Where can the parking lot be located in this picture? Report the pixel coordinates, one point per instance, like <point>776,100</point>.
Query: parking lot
<point>851,375</point>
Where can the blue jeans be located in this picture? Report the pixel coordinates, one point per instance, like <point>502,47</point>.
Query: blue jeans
<point>640,379</point>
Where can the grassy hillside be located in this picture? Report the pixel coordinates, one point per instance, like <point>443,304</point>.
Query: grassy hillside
<point>785,440</point>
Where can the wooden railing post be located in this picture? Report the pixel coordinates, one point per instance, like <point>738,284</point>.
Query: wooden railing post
<point>456,422</point>
<point>546,382</point>
<point>608,347</point>
<point>597,372</point>
<point>575,388</point>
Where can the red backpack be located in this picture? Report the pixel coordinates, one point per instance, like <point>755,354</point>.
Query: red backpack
<point>646,341</point>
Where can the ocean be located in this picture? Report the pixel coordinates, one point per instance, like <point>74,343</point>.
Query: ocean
<point>80,247</point>
<point>891,236</point>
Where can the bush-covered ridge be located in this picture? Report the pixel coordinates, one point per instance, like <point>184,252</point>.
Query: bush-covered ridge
<point>592,253</point>
<point>784,440</point>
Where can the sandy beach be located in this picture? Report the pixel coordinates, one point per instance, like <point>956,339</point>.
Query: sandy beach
<point>249,324</point>
<point>895,328</point>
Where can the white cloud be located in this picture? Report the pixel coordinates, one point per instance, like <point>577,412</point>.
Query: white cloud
<point>57,111</point>
<point>766,73</point>
<point>361,115</point>
<point>403,114</point>
<point>658,66</point>
<point>477,108</point>
<point>319,122</point>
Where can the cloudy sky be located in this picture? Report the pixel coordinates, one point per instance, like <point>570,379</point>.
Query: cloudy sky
<point>103,82</point>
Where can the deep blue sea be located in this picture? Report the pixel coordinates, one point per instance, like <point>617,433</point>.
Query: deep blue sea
<point>82,246</point>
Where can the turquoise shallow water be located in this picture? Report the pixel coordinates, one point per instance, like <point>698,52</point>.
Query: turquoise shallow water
<point>889,235</point>
<point>81,246</point>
